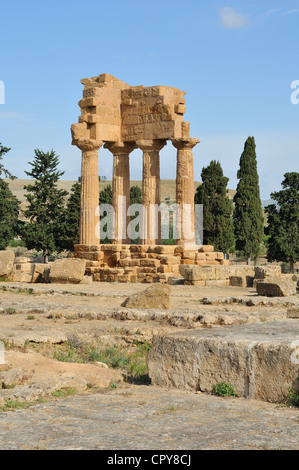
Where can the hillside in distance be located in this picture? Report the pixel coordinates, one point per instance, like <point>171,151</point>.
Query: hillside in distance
<point>167,188</point>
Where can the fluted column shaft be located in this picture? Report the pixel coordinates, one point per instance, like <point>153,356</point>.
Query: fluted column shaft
<point>185,190</point>
<point>121,189</point>
<point>151,189</point>
<point>89,195</point>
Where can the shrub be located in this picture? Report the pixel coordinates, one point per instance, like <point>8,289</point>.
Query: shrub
<point>224,389</point>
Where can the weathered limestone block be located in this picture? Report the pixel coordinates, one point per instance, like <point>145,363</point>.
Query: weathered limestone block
<point>7,264</point>
<point>225,262</point>
<point>206,249</point>
<point>254,358</point>
<point>113,248</point>
<point>128,262</point>
<point>86,280</point>
<point>64,271</point>
<point>198,273</point>
<point>237,281</point>
<point>165,269</point>
<point>147,270</point>
<point>149,263</point>
<point>262,272</point>
<point>163,249</point>
<point>24,267</point>
<point>217,283</point>
<point>156,296</point>
<point>145,278</point>
<point>22,260</point>
<point>276,287</point>
<point>169,260</point>
<point>138,255</point>
<point>293,312</point>
<point>140,248</point>
<point>39,272</point>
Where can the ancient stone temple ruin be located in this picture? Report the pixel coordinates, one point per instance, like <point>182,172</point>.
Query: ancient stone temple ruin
<point>123,118</point>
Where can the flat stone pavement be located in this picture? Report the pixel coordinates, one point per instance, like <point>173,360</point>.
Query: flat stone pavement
<point>150,418</point>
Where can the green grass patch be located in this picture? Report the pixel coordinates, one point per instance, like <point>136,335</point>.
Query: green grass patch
<point>11,404</point>
<point>64,392</point>
<point>10,311</point>
<point>131,360</point>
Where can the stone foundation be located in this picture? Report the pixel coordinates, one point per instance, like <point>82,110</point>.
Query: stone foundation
<point>221,275</point>
<point>143,263</point>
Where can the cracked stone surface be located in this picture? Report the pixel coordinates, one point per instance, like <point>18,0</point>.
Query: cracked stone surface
<point>146,417</point>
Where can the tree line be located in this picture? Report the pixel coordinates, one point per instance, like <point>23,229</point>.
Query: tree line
<point>52,215</point>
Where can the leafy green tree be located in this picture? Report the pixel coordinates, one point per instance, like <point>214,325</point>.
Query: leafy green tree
<point>106,195</point>
<point>9,212</point>
<point>217,208</point>
<point>9,206</point>
<point>283,222</point>
<point>6,173</point>
<point>106,198</point>
<point>248,214</point>
<point>72,218</point>
<point>135,195</point>
<point>135,198</point>
<point>46,205</point>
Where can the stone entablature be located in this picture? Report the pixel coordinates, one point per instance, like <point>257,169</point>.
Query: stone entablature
<point>113,111</point>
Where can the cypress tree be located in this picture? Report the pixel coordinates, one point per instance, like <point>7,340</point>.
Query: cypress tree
<point>248,214</point>
<point>46,209</point>
<point>283,222</point>
<point>217,208</point>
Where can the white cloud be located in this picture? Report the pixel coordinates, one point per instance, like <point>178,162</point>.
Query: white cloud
<point>15,116</point>
<point>231,19</point>
<point>271,12</point>
<point>290,12</point>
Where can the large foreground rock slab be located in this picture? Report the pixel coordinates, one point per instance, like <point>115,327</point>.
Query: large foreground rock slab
<point>7,259</point>
<point>64,271</point>
<point>259,360</point>
<point>276,287</point>
<point>156,296</point>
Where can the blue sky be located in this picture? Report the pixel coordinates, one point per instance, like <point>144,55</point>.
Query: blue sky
<point>236,60</point>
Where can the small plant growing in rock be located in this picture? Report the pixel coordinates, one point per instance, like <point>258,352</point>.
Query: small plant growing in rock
<point>224,389</point>
<point>10,311</point>
<point>293,398</point>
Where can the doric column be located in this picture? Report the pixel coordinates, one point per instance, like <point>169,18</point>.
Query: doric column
<point>121,188</point>
<point>185,190</point>
<point>151,189</point>
<point>89,192</point>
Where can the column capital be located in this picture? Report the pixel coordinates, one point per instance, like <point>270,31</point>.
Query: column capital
<point>187,143</point>
<point>155,144</point>
<point>120,147</point>
<point>87,145</point>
